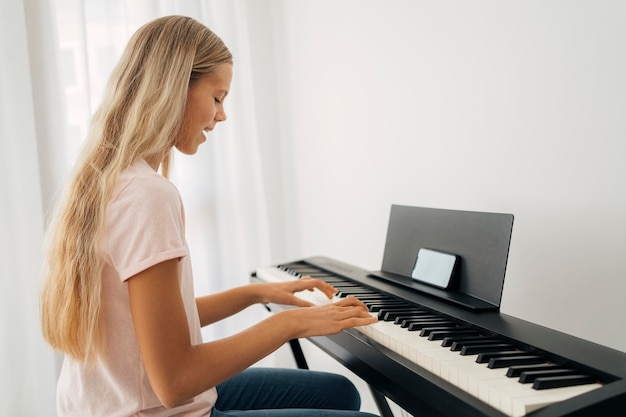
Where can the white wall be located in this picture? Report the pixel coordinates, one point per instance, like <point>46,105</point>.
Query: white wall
<point>500,106</point>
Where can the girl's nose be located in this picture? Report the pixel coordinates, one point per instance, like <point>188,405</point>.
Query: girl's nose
<point>220,116</point>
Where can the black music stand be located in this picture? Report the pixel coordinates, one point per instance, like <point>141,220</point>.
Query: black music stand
<point>479,240</point>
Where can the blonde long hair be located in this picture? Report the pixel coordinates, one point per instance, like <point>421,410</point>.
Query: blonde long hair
<point>141,115</point>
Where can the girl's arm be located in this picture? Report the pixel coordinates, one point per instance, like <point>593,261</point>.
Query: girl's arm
<point>178,371</point>
<point>215,307</point>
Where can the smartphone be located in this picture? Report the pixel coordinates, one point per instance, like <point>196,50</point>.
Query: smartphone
<point>434,267</point>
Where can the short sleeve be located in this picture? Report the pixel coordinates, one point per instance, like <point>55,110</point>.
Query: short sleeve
<point>145,225</point>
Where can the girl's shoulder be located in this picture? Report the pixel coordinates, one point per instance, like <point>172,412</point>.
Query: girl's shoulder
<point>140,181</point>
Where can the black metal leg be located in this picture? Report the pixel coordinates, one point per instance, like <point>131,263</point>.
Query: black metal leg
<point>381,403</point>
<point>298,355</point>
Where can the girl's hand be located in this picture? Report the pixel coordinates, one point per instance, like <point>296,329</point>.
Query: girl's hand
<point>283,292</point>
<point>327,319</point>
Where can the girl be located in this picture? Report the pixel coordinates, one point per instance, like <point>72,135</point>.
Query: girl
<point>118,294</point>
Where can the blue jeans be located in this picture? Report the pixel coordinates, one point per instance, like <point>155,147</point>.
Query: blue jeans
<point>275,392</point>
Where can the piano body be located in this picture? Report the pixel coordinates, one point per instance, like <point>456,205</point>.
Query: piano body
<point>450,352</point>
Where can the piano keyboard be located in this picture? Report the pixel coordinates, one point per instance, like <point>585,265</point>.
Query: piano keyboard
<point>512,379</point>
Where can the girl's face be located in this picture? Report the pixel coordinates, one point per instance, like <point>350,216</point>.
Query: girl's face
<point>205,108</point>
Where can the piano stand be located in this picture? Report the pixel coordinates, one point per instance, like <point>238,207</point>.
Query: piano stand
<point>381,402</point>
<point>298,355</point>
<point>379,399</point>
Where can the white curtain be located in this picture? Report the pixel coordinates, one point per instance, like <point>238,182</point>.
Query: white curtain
<point>55,58</point>
<point>27,373</point>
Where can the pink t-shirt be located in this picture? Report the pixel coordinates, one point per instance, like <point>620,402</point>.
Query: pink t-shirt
<point>145,226</point>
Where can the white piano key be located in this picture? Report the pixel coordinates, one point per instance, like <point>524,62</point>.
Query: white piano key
<point>273,274</point>
<point>524,405</point>
<point>444,358</point>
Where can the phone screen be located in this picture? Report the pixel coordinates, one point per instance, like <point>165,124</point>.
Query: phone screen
<point>434,267</point>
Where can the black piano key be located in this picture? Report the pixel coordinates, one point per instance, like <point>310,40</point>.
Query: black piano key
<point>309,271</point>
<point>342,283</point>
<point>415,315</point>
<point>365,297</point>
<point>562,381</point>
<point>427,320</point>
<point>484,357</point>
<point>409,312</point>
<point>397,305</point>
<point>529,376</point>
<point>379,300</point>
<point>344,292</point>
<point>364,292</point>
<point>419,325</point>
<point>474,349</point>
<point>322,275</point>
<point>516,370</point>
<point>460,344</point>
<point>418,312</point>
<point>375,308</point>
<point>405,322</point>
<point>440,335</point>
<point>390,315</point>
<point>339,285</point>
<point>387,301</point>
<point>426,331</point>
<point>361,290</point>
<point>505,362</point>
<point>372,299</point>
<point>449,340</point>
<point>365,300</point>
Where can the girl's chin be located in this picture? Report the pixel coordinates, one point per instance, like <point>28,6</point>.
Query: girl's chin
<point>190,147</point>
<point>187,150</point>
